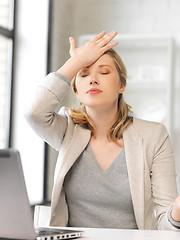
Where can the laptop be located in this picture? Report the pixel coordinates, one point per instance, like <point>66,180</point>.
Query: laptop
<point>16,221</point>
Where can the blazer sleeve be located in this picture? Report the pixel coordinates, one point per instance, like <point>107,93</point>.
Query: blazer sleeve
<point>164,188</point>
<point>41,113</point>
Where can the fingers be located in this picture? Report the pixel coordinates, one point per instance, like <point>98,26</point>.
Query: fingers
<point>109,46</point>
<point>99,36</point>
<point>72,42</point>
<point>106,39</point>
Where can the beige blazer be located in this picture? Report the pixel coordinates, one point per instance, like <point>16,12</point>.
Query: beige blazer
<point>149,157</point>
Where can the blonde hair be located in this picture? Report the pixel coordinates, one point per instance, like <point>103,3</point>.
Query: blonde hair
<point>123,116</point>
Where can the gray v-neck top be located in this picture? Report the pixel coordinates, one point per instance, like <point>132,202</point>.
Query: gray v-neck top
<point>99,198</point>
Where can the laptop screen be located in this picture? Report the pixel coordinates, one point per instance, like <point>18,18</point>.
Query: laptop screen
<point>15,212</point>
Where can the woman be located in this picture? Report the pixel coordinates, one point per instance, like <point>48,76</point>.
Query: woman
<point>113,170</point>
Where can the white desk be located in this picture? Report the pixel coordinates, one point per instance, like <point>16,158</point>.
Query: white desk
<point>119,234</point>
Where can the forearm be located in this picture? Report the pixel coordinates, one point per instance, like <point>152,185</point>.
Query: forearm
<point>163,179</point>
<point>70,68</point>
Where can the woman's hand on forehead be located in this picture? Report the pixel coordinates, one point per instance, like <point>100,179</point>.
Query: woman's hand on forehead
<point>87,54</point>
<point>92,50</point>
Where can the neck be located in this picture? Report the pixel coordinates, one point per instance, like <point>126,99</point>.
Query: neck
<point>102,119</point>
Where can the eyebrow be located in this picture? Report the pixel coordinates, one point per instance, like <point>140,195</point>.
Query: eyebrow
<point>104,65</point>
<point>101,65</point>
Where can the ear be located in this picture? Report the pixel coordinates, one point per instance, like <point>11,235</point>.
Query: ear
<point>122,88</point>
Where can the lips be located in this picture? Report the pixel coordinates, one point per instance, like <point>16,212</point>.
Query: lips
<point>94,91</point>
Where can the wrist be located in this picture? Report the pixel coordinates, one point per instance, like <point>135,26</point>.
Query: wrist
<point>71,67</point>
<point>176,210</point>
<point>174,222</point>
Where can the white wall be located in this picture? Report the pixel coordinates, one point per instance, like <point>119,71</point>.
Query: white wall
<point>30,67</point>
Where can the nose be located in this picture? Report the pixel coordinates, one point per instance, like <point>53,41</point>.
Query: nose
<point>93,80</point>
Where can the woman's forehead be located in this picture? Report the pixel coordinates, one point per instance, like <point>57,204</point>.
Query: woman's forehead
<point>104,60</point>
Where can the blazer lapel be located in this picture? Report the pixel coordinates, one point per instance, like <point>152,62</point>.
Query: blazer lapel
<point>74,144</point>
<point>77,144</point>
<point>135,166</point>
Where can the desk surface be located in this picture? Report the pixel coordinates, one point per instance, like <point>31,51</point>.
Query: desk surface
<point>118,234</point>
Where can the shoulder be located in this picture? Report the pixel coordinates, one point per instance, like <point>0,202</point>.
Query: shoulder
<point>140,123</point>
<point>149,128</point>
<point>152,134</point>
